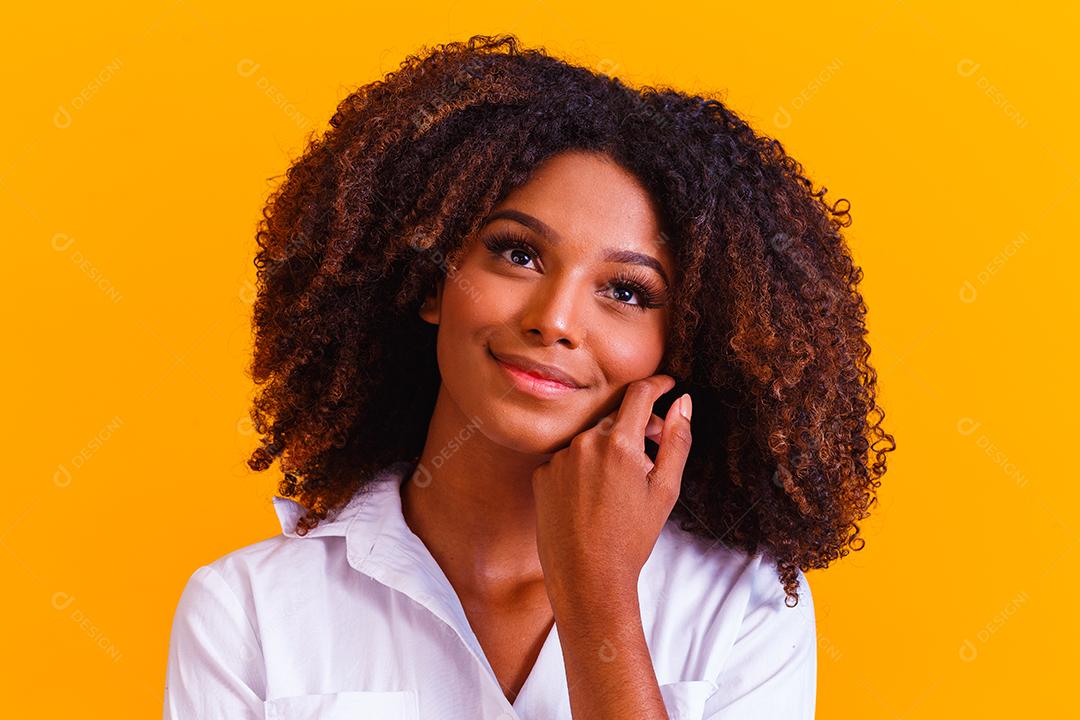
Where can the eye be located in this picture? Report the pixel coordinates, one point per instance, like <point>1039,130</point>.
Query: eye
<point>630,289</point>
<point>500,243</point>
<point>648,293</point>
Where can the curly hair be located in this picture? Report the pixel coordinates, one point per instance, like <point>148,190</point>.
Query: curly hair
<point>768,323</point>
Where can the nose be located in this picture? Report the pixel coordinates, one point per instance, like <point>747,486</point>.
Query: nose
<point>556,312</point>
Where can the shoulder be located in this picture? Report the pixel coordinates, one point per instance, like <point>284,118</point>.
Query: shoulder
<point>286,556</point>
<point>716,597</point>
<point>259,577</point>
<point>262,557</point>
<point>224,583</point>
<point>278,576</point>
<point>708,565</point>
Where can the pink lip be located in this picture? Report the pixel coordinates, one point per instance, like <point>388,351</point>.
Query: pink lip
<point>534,384</point>
<point>541,370</point>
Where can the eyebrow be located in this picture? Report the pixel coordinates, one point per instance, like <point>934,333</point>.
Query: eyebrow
<point>626,257</point>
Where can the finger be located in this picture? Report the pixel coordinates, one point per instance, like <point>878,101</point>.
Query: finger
<point>655,426</point>
<point>652,430</point>
<point>637,404</point>
<point>674,447</point>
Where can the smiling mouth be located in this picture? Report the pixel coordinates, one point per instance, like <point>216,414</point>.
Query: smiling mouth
<point>533,384</point>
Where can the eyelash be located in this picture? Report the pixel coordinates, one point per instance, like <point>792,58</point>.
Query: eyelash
<point>647,290</point>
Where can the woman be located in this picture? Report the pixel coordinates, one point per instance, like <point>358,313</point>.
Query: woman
<point>568,385</point>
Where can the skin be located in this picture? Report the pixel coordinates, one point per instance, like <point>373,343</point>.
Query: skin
<point>542,510</point>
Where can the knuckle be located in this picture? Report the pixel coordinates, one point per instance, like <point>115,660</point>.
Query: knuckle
<point>681,436</point>
<point>622,444</point>
<point>672,494</point>
<point>582,441</point>
<point>667,490</point>
<point>664,490</point>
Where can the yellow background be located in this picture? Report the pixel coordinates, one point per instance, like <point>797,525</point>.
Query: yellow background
<point>140,142</point>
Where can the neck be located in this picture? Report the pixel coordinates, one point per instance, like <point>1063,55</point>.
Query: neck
<point>471,503</point>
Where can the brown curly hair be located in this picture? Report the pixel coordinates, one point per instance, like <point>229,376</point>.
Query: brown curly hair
<point>768,324</point>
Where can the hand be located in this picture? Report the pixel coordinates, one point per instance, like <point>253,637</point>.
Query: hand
<point>601,502</point>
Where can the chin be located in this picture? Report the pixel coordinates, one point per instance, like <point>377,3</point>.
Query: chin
<point>526,434</point>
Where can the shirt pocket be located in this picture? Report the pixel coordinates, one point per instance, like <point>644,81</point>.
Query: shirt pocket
<point>685,699</point>
<point>345,705</point>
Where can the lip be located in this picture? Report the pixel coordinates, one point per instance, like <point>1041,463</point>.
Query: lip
<point>535,377</point>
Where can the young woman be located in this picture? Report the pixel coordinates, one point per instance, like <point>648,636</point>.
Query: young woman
<point>568,384</point>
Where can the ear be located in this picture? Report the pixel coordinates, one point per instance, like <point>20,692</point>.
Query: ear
<point>431,309</point>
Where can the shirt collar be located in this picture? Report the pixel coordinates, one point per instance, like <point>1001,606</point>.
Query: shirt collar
<point>371,507</point>
<point>379,544</point>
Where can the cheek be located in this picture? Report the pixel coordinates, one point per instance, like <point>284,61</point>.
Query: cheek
<point>630,353</point>
<point>624,358</point>
<point>472,311</point>
<point>477,304</point>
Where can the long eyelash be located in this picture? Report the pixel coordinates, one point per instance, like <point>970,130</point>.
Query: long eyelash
<point>500,242</point>
<point>650,293</point>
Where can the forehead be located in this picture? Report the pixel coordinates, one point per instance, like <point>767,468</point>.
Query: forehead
<point>591,201</point>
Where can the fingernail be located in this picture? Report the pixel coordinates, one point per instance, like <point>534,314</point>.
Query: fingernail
<point>686,407</point>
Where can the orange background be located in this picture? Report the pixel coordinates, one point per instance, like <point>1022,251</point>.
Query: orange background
<point>140,142</point>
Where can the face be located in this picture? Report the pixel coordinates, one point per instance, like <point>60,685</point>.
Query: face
<point>570,272</point>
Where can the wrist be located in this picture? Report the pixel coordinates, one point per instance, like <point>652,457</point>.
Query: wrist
<point>574,601</point>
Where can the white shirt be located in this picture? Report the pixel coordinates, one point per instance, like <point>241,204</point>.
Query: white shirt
<point>357,620</point>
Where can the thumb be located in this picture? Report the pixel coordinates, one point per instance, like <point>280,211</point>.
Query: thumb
<point>675,443</point>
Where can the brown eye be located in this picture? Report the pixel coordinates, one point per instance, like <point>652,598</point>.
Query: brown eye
<point>627,286</point>
<point>648,293</point>
<point>518,246</point>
